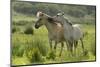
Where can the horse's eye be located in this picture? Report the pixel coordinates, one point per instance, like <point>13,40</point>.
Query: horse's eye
<point>40,19</point>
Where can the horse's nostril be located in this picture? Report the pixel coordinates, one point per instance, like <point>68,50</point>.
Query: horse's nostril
<point>36,26</point>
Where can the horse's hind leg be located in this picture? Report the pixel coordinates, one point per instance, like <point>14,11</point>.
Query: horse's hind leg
<point>62,45</point>
<point>82,45</point>
<point>75,46</point>
<point>55,46</point>
<point>71,47</point>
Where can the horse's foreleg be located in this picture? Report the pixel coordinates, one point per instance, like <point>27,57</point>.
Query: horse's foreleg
<point>55,45</point>
<point>67,44</point>
<point>50,42</point>
<point>62,45</point>
<point>75,46</point>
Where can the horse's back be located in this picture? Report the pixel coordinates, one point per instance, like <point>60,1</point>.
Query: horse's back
<point>77,31</point>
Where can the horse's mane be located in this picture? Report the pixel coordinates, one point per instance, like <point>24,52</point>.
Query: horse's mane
<point>50,19</point>
<point>53,20</point>
<point>70,23</point>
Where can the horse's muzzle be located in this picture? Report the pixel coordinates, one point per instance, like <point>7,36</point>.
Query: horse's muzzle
<point>36,26</point>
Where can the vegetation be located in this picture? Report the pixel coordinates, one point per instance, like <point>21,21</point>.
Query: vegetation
<point>29,30</point>
<point>35,48</point>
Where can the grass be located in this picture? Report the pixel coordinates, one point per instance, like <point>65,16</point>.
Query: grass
<point>35,49</point>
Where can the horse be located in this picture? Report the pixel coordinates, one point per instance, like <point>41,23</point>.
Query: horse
<point>72,33</point>
<point>54,27</point>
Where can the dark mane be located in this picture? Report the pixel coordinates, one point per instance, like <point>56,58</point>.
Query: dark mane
<point>68,22</point>
<point>51,20</point>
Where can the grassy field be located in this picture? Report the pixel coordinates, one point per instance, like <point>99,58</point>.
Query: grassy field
<point>34,48</point>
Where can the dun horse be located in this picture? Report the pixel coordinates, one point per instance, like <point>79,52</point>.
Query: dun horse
<point>55,29</point>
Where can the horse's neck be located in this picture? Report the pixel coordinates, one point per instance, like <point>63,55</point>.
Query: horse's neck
<point>49,27</point>
<point>67,26</point>
<point>68,30</point>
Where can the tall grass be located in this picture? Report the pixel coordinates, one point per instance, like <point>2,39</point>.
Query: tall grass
<point>36,47</point>
<point>29,46</point>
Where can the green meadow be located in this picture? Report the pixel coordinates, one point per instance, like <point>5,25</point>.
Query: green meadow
<point>34,48</point>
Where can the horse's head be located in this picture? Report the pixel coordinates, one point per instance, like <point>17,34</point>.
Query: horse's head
<point>41,19</point>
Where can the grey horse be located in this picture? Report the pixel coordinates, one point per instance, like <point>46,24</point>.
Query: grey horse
<point>72,33</point>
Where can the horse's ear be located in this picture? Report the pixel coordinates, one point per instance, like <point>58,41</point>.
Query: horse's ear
<point>39,14</point>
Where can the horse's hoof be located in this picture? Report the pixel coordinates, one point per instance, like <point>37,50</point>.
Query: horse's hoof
<point>59,55</point>
<point>85,53</point>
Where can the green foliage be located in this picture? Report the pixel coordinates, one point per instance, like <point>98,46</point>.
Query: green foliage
<point>36,48</point>
<point>29,30</point>
<point>76,13</point>
<point>22,7</point>
<point>24,12</point>
<point>52,9</point>
<point>18,49</point>
<point>51,55</point>
<point>20,22</point>
<point>37,43</point>
<point>34,55</point>
<point>93,47</point>
<point>15,29</point>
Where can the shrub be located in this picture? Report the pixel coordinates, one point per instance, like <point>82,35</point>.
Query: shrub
<point>15,29</point>
<point>29,30</point>
<point>34,55</point>
<point>51,55</point>
<point>41,45</point>
<point>35,50</point>
<point>21,22</point>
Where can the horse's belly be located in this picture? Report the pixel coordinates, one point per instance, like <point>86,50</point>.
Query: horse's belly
<point>77,34</point>
<point>58,37</point>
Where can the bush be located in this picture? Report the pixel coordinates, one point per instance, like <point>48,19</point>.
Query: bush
<point>41,45</point>
<point>21,22</point>
<point>15,29</point>
<point>23,7</point>
<point>36,50</point>
<point>51,55</point>
<point>29,30</point>
<point>34,55</point>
